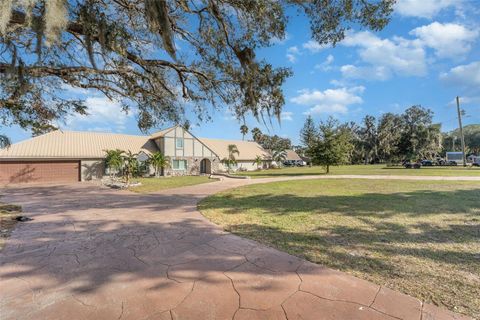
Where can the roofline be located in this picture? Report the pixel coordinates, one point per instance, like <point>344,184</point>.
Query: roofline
<point>102,132</point>
<point>203,143</point>
<point>42,158</point>
<point>75,131</point>
<point>251,141</point>
<point>165,131</point>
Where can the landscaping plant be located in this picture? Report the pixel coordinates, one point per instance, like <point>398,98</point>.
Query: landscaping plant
<point>114,161</point>
<point>159,162</point>
<point>231,160</point>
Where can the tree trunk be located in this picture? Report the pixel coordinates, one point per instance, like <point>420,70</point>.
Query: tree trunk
<point>328,169</point>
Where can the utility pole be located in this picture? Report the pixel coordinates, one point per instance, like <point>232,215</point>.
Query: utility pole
<point>462,138</point>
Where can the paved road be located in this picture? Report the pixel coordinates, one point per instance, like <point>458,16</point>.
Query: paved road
<point>97,253</point>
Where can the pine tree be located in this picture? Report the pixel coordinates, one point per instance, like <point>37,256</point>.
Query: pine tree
<point>309,135</point>
<point>334,145</point>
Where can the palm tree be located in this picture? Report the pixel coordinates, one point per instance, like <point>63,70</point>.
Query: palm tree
<point>114,161</point>
<point>243,131</point>
<point>258,161</point>
<point>279,156</point>
<point>131,165</point>
<point>231,160</point>
<point>159,162</point>
<point>256,134</point>
<point>4,141</point>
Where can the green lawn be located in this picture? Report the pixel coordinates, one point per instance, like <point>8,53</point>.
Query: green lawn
<point>156,184</point>
<point>377,169</point>
<point>419,237</point>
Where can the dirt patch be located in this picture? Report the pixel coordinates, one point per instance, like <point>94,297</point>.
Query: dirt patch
<point>9,217</point>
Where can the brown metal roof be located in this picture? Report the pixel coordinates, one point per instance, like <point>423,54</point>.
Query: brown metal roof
<point>161,133</point>
<point>84,145</point>
<point>248,150</point>
<point>76,145</point>
<point>292,155</point>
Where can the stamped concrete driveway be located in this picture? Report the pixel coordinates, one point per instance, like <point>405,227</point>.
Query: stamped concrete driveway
<point>97,253</point>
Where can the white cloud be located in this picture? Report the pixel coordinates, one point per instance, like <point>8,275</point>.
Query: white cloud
<point>424,8</point>
<point>338,83</point>
<point>102,113</point>
<point>449,40</point>
<point>313,46</point>
<point>467,76</point>
<point>369,73</point>
<point>397,55</point>
<point>329,101</point>
<point>291,58</point>
<point>292,53</point>
<point>286,116</point>
<point>326,65</point>
<point>465,100</point>
<point>386,57</point>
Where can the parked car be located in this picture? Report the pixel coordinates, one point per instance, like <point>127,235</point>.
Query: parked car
<point>427,163</point>
<point>412,165</point>
<point>476,164</point>
<point>300,163</point>
<point>289,163</point>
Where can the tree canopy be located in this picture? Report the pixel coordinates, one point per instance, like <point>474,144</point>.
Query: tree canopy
<point>411,135</point>
<point>451,140</point>
<point>271,143</point>
<point>309,134</point>
<point>135,52</point>
<point>333,145</point>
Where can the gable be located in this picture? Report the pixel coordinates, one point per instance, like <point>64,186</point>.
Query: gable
<point>190,147</point>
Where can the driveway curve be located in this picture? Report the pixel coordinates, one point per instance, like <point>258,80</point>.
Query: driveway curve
<point>97,253</point>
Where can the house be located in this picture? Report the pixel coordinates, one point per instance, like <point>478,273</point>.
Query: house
<point>292,155</point>
<point>67,156</point>
<point>293,159</point>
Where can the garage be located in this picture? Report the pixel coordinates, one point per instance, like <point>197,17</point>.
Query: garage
<point>39,171</point>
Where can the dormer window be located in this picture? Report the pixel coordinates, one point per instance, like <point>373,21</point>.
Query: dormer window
<point>179,143</point>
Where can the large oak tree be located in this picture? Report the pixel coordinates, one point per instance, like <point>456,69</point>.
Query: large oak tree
<point>162,57</point>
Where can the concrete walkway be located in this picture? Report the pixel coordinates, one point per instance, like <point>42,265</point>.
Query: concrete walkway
<point>97,253</point>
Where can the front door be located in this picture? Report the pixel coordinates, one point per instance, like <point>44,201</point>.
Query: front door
<point>205,167</point>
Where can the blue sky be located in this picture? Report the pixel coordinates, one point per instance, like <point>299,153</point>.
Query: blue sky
<point>428,54</point>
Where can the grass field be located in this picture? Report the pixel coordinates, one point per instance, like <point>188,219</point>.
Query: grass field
<point>419,237</point>
<point>8,212</point>
<point>162,183</point>
<point>377,169</point>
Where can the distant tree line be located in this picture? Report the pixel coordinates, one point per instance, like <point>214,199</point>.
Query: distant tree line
<point>273,143</point>
<point>392,138</point>
<point>452,142</point>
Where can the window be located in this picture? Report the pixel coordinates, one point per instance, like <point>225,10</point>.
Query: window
<point>179,143</point>
<point>179,165</point>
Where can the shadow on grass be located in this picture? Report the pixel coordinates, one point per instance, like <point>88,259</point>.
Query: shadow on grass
<point>270,173</point>
<point>369,228</point>
<point>378,205</point>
